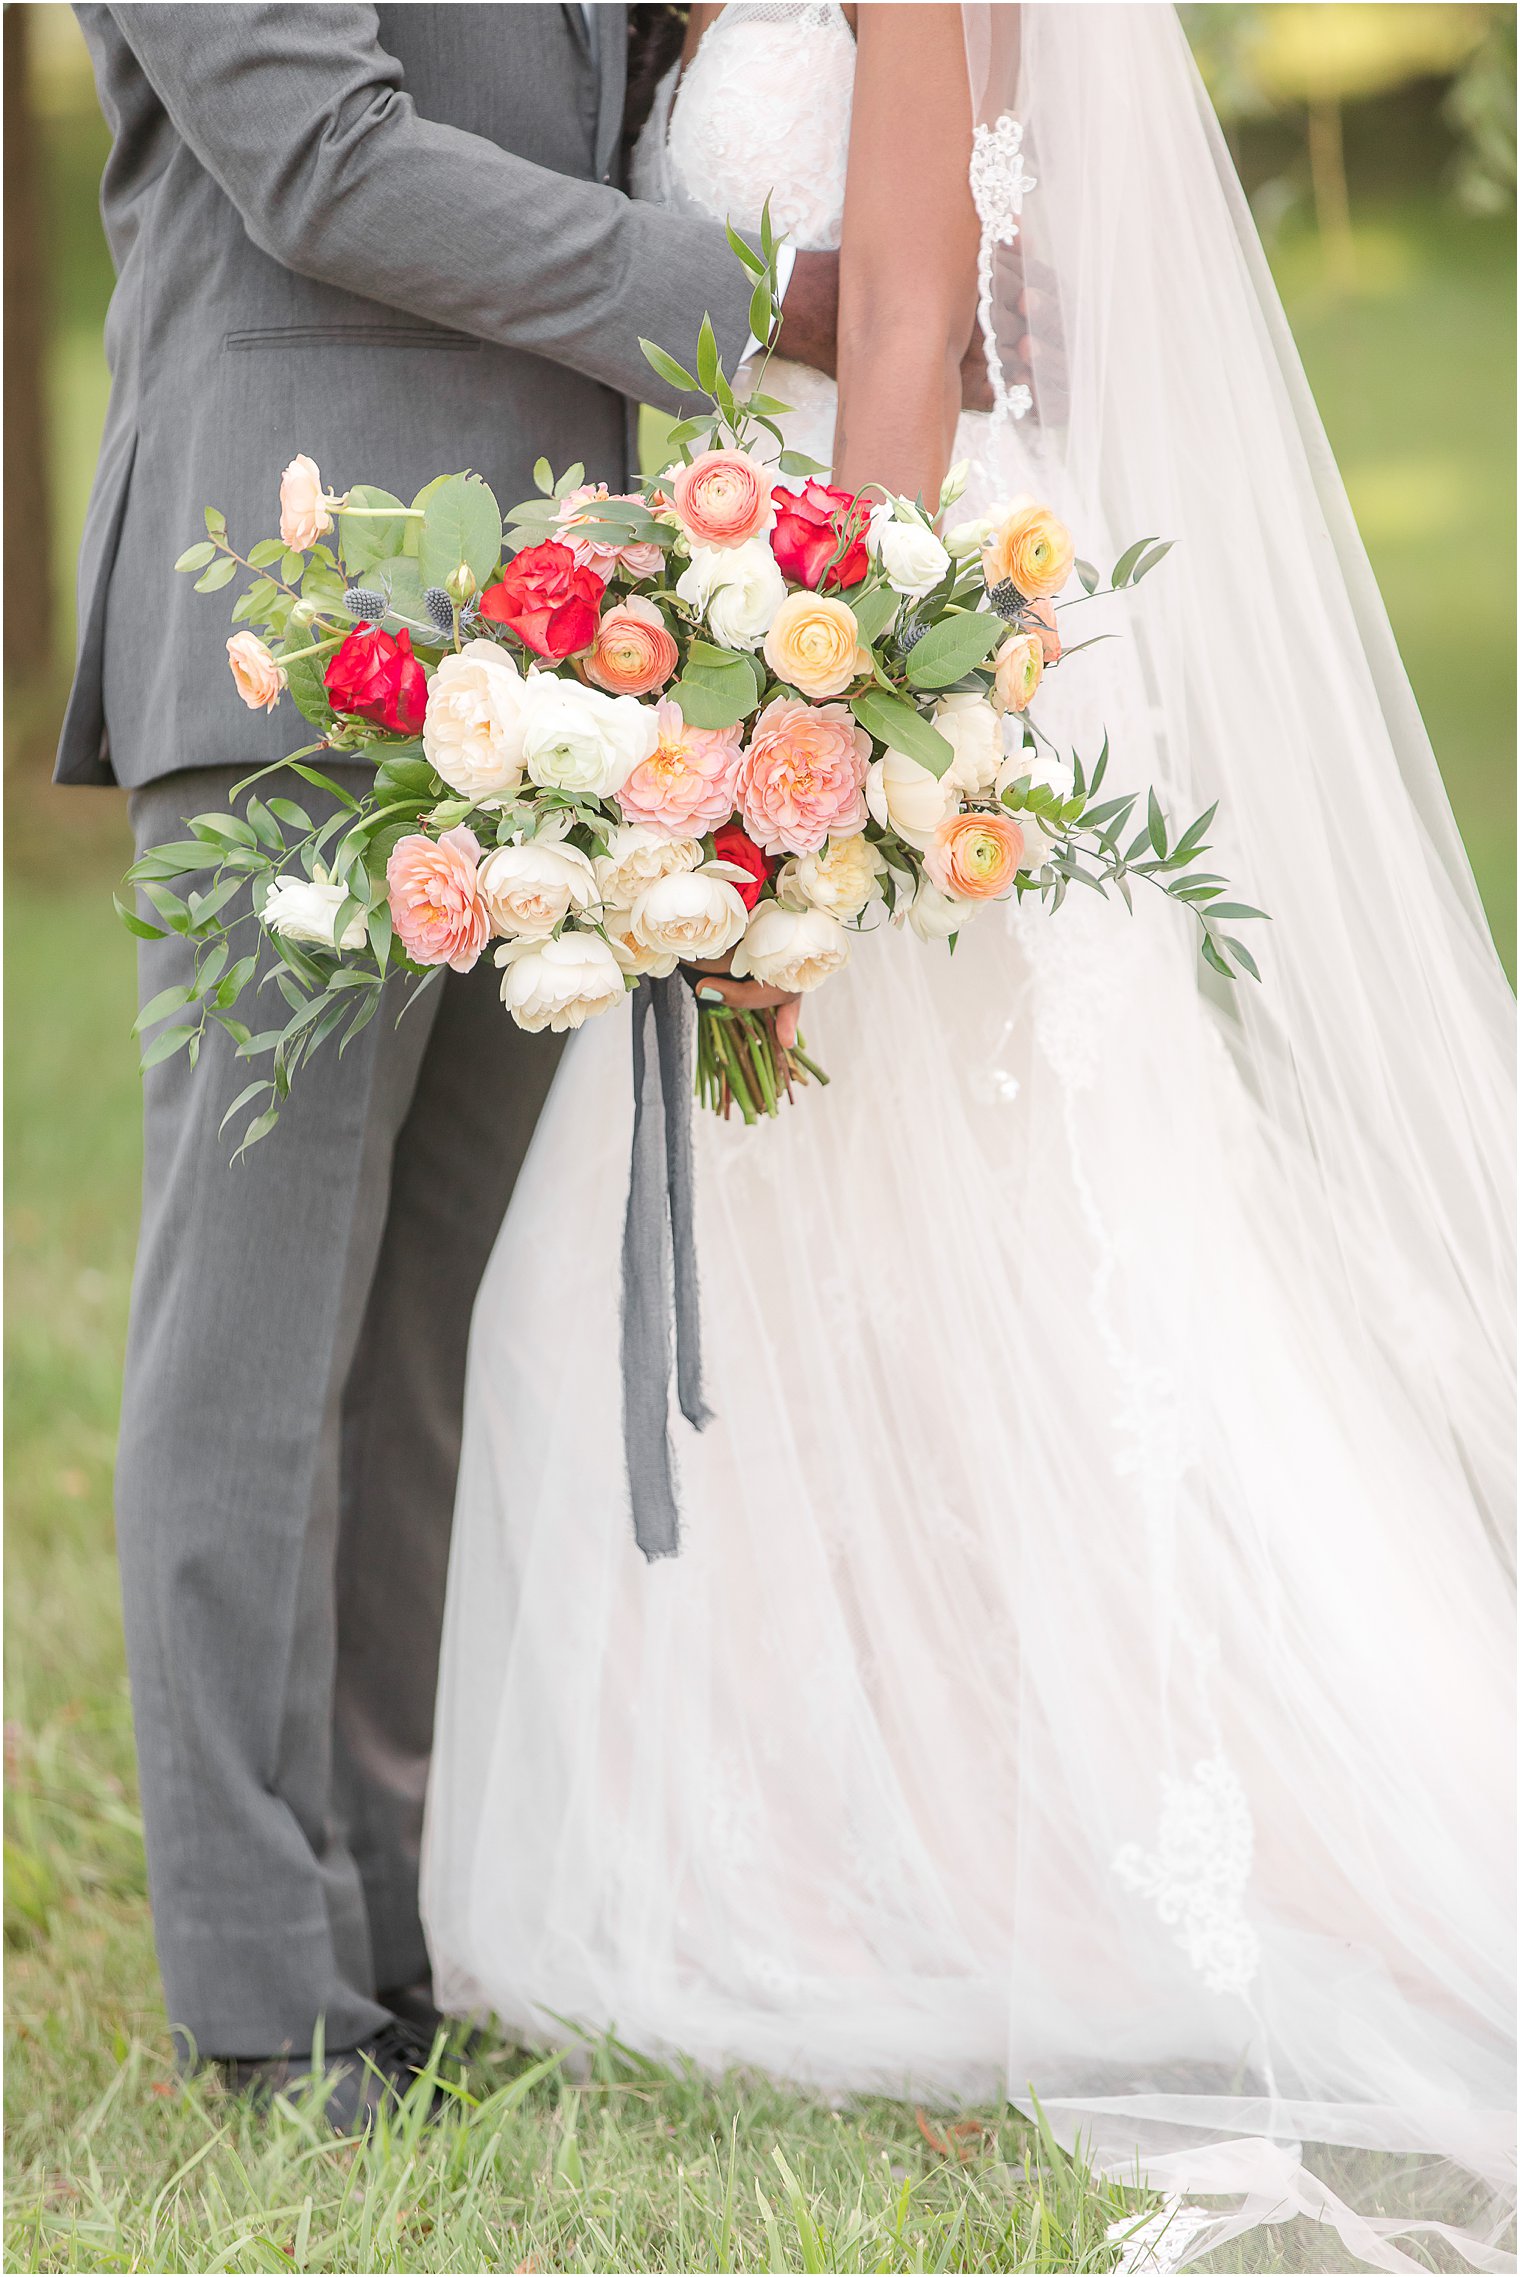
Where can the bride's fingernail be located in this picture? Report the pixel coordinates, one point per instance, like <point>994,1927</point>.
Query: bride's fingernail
<point>710,995</point>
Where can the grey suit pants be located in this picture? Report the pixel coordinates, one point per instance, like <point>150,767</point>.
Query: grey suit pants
<point>285,1480</point>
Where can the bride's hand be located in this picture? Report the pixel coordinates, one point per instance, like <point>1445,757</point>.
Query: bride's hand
<point>746,995</point>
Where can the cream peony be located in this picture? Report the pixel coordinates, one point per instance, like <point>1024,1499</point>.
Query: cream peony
<point>738,589</point>
<point>631,954</point>
<point>532,888</point>
<point>911,556</point>
<point>908,798</point>
<point>934,916</point>
<point>306,909</point>
<point>791,948</point>
<point>974,733</point>
<point>473,729</point>
<point>689,914</point>
<point>577,739</point>
<point>840,878</point>
<point>635,857</point>
<point>559,983</point>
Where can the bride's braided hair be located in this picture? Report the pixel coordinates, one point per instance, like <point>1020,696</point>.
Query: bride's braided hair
<point>655,36</point>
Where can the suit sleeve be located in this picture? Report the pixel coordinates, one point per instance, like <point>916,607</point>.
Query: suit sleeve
<point>303,120</point>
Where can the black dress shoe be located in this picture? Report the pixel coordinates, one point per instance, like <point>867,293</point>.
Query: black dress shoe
<point>414,2005</point>
<point>354,2083</point>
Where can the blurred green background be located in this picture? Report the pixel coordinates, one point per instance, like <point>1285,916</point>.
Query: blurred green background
<point>1377,143</point>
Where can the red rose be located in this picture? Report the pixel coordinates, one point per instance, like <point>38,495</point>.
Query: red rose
<point>733,844</point>
<point>377,678</point>
<point>809,526</point>
<point>552,606</point>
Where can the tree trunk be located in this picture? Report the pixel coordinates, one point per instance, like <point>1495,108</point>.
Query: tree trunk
<point>30,625</point>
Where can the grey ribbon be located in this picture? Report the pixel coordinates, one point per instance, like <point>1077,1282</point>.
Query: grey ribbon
<point>660,1304</point>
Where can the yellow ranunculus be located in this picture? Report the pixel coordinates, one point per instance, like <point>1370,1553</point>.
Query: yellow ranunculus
<point>1031,550</point>
<point>814,645</point>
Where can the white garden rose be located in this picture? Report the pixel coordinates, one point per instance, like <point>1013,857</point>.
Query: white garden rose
<point>306,909</point>
<point>839,878</point>
<point>473,730</point>
<point>635,959</point>
<point>739,589</point>
<point>532,888</point>
<point>974,733</point>
<point>561,982</point>
<point>934,916</point>
<point>635,857</point>
<point>908,798</point>
<point>911,556</point>
<point>689,914</point>
<point>790,948</point>
<point>577,739</point>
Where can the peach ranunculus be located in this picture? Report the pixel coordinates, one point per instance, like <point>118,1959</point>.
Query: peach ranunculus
<point>259,675</point>
<point>1041,618</point>
<point>436,905</point>
<point>594,553</point>
<point>803,776</point>
<point>814,644</point>
<point>633,652</point>
<point>303,505</point>
<point>976,856</point>
<point>686,787</point>
<point>723,498</point>
<point>1020,663</point>
<point>1030,550</point>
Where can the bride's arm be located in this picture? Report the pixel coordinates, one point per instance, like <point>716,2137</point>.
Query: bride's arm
<point>907,269</point>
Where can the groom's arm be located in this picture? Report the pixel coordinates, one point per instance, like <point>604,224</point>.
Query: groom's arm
<point>303,120</point>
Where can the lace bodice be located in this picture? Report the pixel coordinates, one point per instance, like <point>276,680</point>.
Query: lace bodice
<point>761,110</point>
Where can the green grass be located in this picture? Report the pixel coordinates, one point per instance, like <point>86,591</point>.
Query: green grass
<point>112,2163</point>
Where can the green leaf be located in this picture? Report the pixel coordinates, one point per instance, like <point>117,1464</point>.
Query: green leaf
<point>1148,562</point>
<point>903,729</point>
<point>381,935</point>
<point>1124,566</point>
<point>216,522</point>
<point>760,311</point>
<point>543,477</point>
<point>266,826</point>
<point>714,699</point>
<point>260,1127</point>
<point>288,812</point>
<point>1238,909</point>
<point>160,1006</point>
<point>400,776</point>
<point>308,691</point>
<point>571,479</point>
<point>461,524</point>
<point>1087,576</point>
<point>1211,956</point>
<point>673,374</point>
<point>1155,823</point>
<point>266,551</point>
<point>250,1091</point>
<point>321,782</point>
<point>745,253</point>
<point>220,573</point>
<point>874,609</point>
<point>707,357</point>
<point>165,1046</point>
<point>135,924</point>
<point>798,462</point>
<point>234,982</point>
<point>1239,952</point>
<point>950,649</point>
<point>197,556</point>
<point>364,539</point>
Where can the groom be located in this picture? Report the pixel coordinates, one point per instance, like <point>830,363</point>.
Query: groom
<point>392,238</point>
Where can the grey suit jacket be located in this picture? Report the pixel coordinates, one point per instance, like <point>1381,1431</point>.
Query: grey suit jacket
<point>387,236</point>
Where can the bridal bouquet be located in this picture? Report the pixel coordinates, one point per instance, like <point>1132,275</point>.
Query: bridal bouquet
<point>738,717</point>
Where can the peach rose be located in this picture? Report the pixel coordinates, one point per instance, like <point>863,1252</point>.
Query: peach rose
<point>723,498</point>
<point>633,652</point>
<point>1030,550</point>
<point>1044,615</point>
<point>976,856</point>
<point>303,510</point>
<point>436,906</point>
<point>595,553</point>
<point>259,676</point>
<point>814,644</point>
<point>803,776</point>
<point>1020,663</point>
<point>687,787</point>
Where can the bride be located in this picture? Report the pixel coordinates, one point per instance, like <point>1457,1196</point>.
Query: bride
<point>1086,1670</point>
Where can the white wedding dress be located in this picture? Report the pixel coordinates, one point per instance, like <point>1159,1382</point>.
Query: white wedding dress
<point>1083,1666</point>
